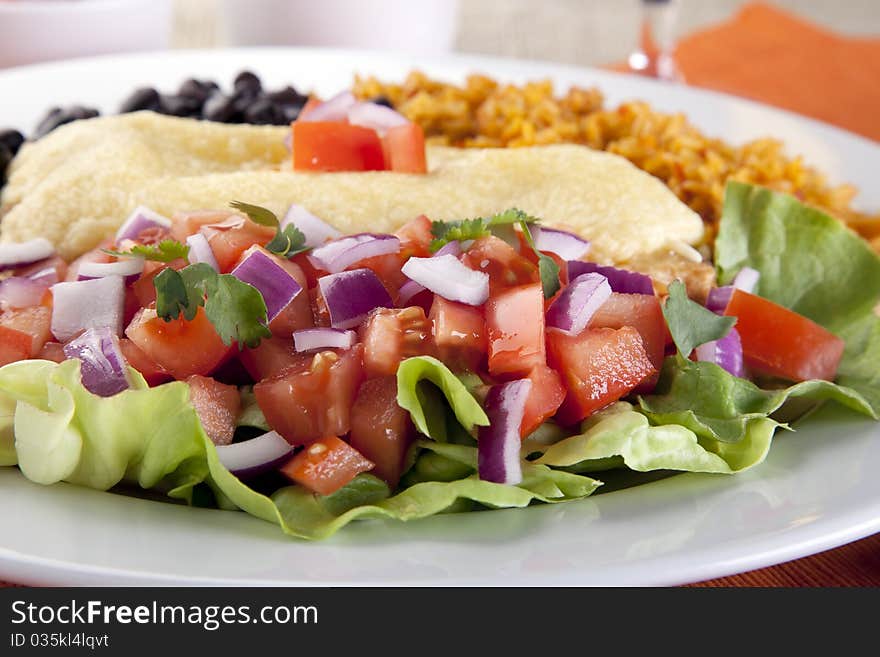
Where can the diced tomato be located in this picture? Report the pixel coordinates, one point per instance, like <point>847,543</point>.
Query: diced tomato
<point>380,429</point>
<point>325,465</point>
<point>14,345</point>
<point>459,334</point>
<point>644,313</point>
<point>515,327</point>
<point>35,321</point>
<point>387,268</point>
<point>404,149</point>
<point>53,351</point>
<point>298,313</point>
<point>153,373</point>
<point>55,262</point>
<point>181,347</point>
<point>217,406</point>
<point>598,366</point>
<point>506,267</point>
<point>309,402</point>
<point>415,237</point>
<point>391,335</point>
<point>95,255</point>
<point>272,357</point>
<point>329,146</point>
<point>545,397</point>
<point>229,243</point>
<point>185,224</point>
<point>311,272</point>
<point>780,342</point>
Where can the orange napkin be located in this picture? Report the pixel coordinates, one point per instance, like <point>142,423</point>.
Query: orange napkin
<point>774,57</point>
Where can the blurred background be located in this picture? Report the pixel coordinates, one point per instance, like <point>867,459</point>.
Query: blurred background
<point>585,32</point>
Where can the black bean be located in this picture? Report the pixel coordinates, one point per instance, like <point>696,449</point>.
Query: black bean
<point>6,156</point>
<point>247,82</point>
<point>287,96</point>
<point>58,116</point>
<point>382,100</point>
<point>219,107</point>
<point>12,139</point>
<point>145,98</point>
<point>180,106</point>
<point>263,112</point>
<point>198,90</point>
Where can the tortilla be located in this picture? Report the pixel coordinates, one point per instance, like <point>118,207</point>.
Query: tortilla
<point>78,184</point>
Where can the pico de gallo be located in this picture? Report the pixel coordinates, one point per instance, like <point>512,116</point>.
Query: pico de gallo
<point>314,327</point>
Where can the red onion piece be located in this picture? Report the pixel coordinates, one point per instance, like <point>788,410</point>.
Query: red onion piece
<point>499,444</point>
<point>450,278</point>
<point>572,310</point>
<point>81,305</point>
<point>567,246</point>
<point>450,248</point>
<point>726,352</point>
<point>339,255</point>
<point>407,291</point>
<point>143,218</point>
<point>45,277</point>
<point>104,370</point>
<point>200,251</point>
<point>377,117</point>
<point>255,456</point>
<point>620,280</point>
<point>128,268</point>
<point>21,292</point>
<point>277,286</point>
<point>323,338</point>
<point>746,280</point>
<point>351,295</point>
<point>316,231</point>
<point>24,253</point>
<point>334,109</point>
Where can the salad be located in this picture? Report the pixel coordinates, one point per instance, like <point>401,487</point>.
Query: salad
<point>238,360</point>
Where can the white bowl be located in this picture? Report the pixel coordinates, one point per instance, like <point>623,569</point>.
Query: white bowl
<point>41,30</point>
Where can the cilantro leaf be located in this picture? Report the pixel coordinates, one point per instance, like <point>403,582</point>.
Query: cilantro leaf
<point>288,241</point>
<point>164,251</point>
<point>471,229</point>
<point>256,213</point>
<point>690,324</point>
<point>547,267</point>
<point>236,309</point>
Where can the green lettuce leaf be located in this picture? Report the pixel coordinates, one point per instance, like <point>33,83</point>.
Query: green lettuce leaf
<point>716,405</point>
<point>63,432</point>
<point>811,263</point>
<point>621,436</point>
<point>424,406</point>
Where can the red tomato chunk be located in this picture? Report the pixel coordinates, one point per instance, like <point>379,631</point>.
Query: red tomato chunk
<point>217,406</point>
<point>780,342</point>
<point>515,324</point>
<point>326,465</point>
<point>598,367</point>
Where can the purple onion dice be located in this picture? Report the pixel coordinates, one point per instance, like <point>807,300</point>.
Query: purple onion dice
<point>567,246</point>
<point>21,292</point>
<point>499,444</point>
<point>25,253</point>
<point>578,302</point>
<point>129,268</point>
<point>447,276</point>
<point>376,117</point>
<point>338,255</point>
<point>725,352</point>
<point>351,295</point>
<point>620,280</point>
<point>746,280</point>
<point>276,285</point>
<point>255,456</point>
<point>334,109</point>
<point>82,305</point>
<point>200,251</point>
<point>103,368</point>
<point>142,219</point>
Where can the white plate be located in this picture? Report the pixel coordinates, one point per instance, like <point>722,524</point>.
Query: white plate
<point>818,488</point>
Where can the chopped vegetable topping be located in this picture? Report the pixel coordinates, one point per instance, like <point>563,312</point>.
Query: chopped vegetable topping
<point>288,241</point>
